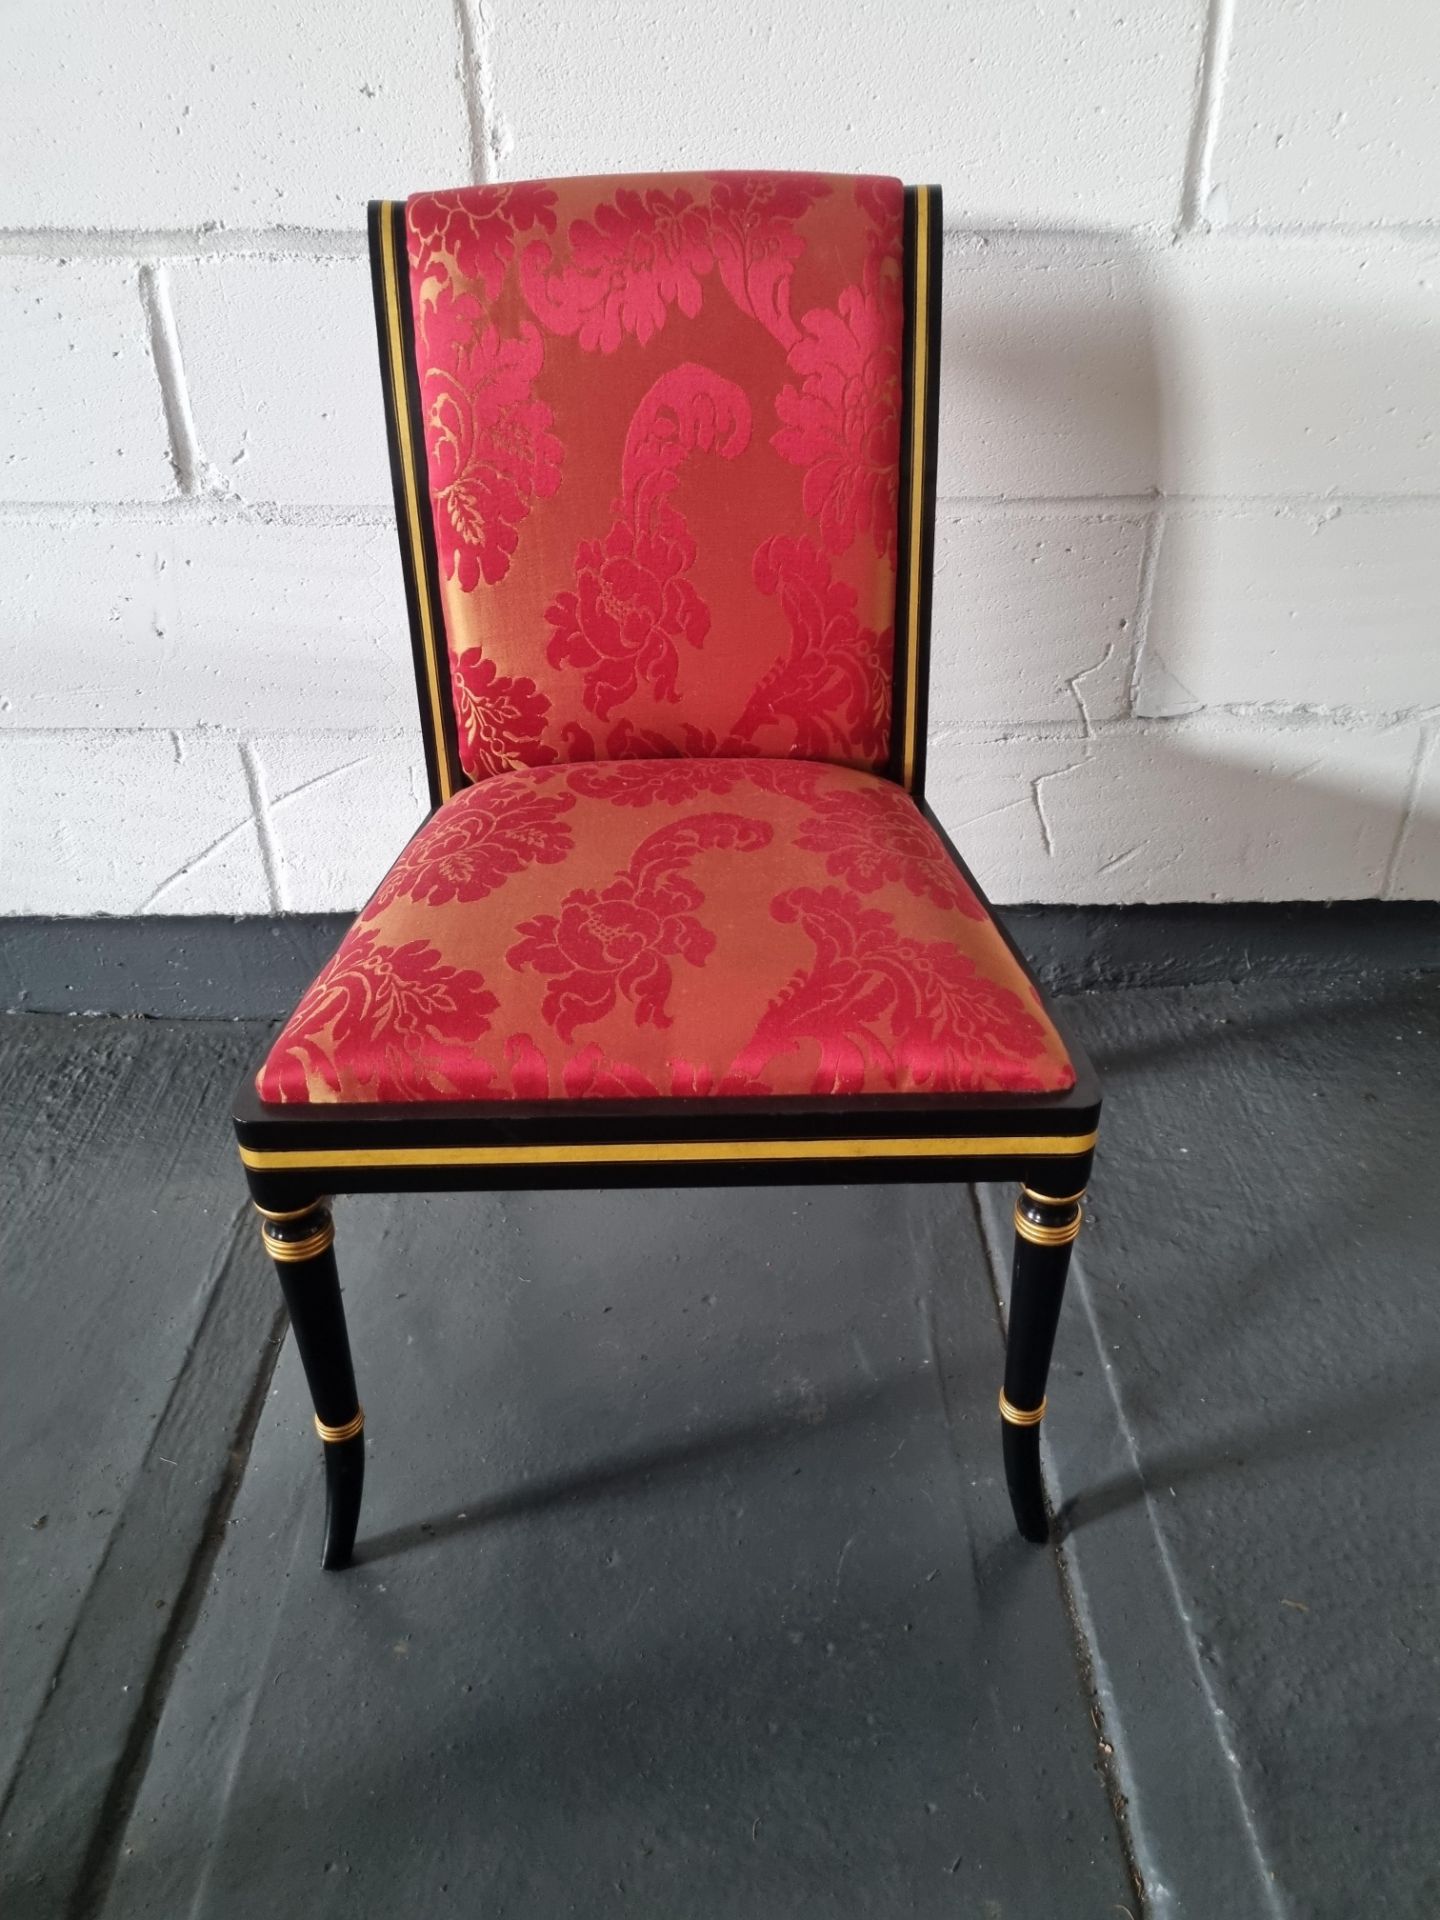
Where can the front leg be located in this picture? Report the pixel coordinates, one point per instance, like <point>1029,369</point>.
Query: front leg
<point>302,1245</point>
<point>1045,1231</point>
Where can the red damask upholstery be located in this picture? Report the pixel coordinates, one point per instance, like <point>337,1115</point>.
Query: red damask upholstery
<point>670,927</point>
<point>662,425</point>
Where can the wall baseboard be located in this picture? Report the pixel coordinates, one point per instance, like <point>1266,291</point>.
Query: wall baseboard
<point>1075,949</point>
<point>215,968</point>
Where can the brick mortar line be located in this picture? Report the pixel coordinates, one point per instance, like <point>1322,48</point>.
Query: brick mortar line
<point>1410,808</point>
<point>186,459</point>
<point>477,77</point>
<point>1253,719</point>
<point>1138,503</point>
<point>1144,602</point>
<point>207,507</point>
<point>1205,125</point>
<point>203,508</point>
<point>264,827</point>
<point>327,244</point>
<point>182,243</point>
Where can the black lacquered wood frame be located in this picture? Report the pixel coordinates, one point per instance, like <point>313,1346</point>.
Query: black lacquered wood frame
<point>410,480</point>
<point>919,454</point>
<point>295,1155</point>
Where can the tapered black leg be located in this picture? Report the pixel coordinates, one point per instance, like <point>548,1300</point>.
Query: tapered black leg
<point>1045,1231</point>
<point>302,1246</point>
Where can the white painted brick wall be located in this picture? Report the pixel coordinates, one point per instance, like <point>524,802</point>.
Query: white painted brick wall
<point>1337,607</point>
<point>81,410</point>
<point>279,367</point>
<point>148,114</point>
<point>193,623</point>
<point>1043,112</point>
<point>1188,556</point>
<point>1222,366</point>
<point>1051,637</point>
<point>1332,114</point>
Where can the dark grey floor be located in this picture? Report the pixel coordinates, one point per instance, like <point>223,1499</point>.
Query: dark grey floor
<point>688,1586</point>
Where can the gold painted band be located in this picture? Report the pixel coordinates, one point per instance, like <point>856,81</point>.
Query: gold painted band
<point>295,1213</point>
<point>1049,1199</point>
<point>1021,1416</point>
<point>401,401</point>
<point>919,365</point>
<point>289,1250</point>
<point>673,1152</point>
<point>332,1435</point>
<point>1048,1236</point>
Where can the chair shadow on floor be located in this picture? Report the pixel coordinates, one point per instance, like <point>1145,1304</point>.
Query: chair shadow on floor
<point>1328,1427</point>
<point>624,1473</point>
<point>1341,999</point>
<point>1345,1199</point>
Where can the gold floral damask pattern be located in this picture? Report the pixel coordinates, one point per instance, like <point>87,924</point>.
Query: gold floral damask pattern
<point>660,927</point>
<point>662,427</point>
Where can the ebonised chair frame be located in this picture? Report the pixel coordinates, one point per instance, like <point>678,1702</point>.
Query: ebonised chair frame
<point>296,1156</point>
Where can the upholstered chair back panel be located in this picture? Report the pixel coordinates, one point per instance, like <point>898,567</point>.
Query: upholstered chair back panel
<point>661,421</point>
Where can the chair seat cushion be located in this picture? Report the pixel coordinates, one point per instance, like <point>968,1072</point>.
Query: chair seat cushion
<point>661,928</point>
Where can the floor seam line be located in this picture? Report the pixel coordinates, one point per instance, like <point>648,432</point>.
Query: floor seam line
<point>1116,1798</point>
<point>97,1873</point>
<point>1273,1902</point>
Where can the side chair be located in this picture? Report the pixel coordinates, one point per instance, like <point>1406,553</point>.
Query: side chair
<point>664,452</point>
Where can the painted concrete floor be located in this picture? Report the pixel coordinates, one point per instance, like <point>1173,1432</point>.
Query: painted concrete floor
<point>688,1586</point>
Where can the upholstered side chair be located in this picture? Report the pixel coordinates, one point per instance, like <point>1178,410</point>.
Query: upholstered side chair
<point>664,465</point>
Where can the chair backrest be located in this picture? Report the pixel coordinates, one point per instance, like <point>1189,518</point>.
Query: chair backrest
<point>663,451</point>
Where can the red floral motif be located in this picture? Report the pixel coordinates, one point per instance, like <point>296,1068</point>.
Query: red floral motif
<point>626,741</point>
<point>646,252</point>
<point>640,783</point>
<point>756,245</point>
<point>476,234</point>
<point>588,1075</point>
<point>632,602</point>
<point>637,257</point>
<point>874,836</point>
<point>617,941</point>
<point>786,779</point>
<point>529,1072</point>
<point>883,201</point>
<point>501,721</point>
<point>842,424</point>
<point>476,842</point>
<point>833,689</point>
<point>491,452</point>
<point>382,1023</point>
<point>916,1013</point>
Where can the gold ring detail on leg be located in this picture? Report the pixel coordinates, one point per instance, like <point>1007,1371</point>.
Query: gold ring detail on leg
<point>295,1213</point>
<point>306,1249</point>
<point>1049,1200</point>
<point>1021,1416</point>
<point>332,1435</point>
<point>1047,1236</point>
